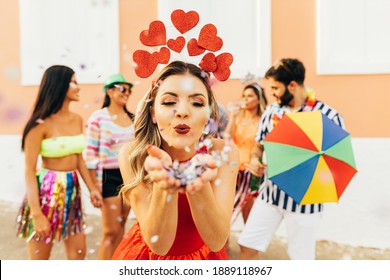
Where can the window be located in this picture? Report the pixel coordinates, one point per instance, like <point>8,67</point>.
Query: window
<point>82,34</point>
<point>352,36</point>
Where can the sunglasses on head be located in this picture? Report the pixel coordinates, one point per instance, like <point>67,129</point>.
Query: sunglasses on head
<point>123,89</point>
<point>279,64</point>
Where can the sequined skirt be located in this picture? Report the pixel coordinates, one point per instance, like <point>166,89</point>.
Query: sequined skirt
<point>60,200</point>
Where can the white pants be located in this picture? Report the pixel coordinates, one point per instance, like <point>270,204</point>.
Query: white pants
<point>263,221</point>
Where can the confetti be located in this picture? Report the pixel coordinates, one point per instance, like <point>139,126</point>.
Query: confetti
<point>13,114</point>
<point>154,239</point>
<point>186,172</point>
<point>88,230</point>
<point>226,135</point>
<point>211,127</point>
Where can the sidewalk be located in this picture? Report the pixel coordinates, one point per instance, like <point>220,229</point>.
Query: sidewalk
<point>13,248</point>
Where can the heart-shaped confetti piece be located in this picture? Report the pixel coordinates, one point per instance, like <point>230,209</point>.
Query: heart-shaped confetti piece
<point>208,38</point>
<point>184,21</point>
<point>146,62</point>
<point>193,48</point>
<point>224,60</point>
<point>208,62</point>
<point>176,44</point>
<point>164,55</point>
<point>155,35</point>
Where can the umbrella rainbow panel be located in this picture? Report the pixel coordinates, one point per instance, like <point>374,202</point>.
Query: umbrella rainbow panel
<point>310,157</point>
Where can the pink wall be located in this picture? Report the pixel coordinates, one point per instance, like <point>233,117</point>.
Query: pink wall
<point>363,100</point>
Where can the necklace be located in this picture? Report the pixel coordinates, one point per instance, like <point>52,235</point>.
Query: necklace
<point>307,106</point>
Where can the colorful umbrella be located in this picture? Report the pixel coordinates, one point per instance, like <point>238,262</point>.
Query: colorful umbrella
<point>310,157</point>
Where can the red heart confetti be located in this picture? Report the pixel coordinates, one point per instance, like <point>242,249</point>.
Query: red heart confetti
<point>208,38</point>
<point>193,48</point>
<point>164,55</point>
<point>155,35</point>
<point>184,21</point>
<point>224,60</point>
<point>146,63</point>
<point>208,62</point>
<point>176,45</point>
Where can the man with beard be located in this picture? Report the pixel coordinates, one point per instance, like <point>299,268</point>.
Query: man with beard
<point>286,81</point>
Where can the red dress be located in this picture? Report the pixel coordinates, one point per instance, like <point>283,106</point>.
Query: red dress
<point>188,244</point>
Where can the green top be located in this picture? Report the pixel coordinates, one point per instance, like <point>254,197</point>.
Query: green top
<point>62,146</point>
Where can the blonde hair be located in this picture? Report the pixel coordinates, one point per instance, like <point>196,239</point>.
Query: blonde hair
<point>147,133</point>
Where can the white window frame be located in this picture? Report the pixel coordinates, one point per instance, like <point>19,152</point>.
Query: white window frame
<point>352,37</point>
<point>81,34</point>
<point>252,25</point>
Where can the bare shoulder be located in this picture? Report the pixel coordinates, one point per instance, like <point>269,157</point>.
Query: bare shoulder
<point>38,131</point>
<point>77,117</point>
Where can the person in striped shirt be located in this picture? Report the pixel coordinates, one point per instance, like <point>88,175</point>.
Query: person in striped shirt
<point>108,129</point>
<point>286,81</point>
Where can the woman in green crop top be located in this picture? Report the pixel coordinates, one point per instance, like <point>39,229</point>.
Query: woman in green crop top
<point>52,208</point>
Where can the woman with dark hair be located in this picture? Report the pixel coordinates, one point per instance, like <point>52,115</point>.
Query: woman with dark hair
<point>242,127</point>
<point>52,210</point>
<point>182,198</point>
<point>107,130</point>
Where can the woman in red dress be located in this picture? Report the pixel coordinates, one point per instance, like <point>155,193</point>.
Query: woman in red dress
<point>181,195</point>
